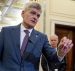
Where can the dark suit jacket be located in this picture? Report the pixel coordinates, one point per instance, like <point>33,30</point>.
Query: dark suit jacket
<point>61,66</point>
<point>10,56</point>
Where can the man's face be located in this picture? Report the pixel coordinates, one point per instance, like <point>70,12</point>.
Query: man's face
<point>54,42</point>
<point>30,17</point>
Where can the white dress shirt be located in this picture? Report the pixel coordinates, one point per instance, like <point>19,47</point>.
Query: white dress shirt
<point>22,33</point>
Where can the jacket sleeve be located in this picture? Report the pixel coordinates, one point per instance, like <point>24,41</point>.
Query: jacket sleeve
<point>44,63</point>
<point>49,52</point>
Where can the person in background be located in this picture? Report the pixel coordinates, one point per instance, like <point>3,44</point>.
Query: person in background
<point>21,46</point>
<point>52,66</point>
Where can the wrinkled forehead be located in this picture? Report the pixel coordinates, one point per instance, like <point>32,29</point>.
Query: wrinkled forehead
<point>53,38</point>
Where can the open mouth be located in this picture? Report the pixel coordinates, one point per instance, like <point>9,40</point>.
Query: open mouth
<point>33,21</point>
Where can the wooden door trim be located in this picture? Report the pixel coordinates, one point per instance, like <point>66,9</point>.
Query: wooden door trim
<point>64,28</point>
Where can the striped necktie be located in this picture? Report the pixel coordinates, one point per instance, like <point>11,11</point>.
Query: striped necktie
<point>25,41</point>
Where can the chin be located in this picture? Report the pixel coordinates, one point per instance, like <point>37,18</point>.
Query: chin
<point>32,25</point>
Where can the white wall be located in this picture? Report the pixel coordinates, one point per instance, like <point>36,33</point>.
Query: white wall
<point>60,10</point>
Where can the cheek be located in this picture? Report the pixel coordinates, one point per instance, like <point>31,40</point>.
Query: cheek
<point>27,17</point>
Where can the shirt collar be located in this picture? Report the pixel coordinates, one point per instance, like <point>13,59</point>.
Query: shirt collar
<point>23,28</point>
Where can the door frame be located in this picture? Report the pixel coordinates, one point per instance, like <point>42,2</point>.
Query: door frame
<point>54,22</point>
<point>57,22</point>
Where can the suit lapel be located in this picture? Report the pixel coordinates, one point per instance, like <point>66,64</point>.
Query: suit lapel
<point>32,40</point>
<point>34,36</point>
<point>16,39</point>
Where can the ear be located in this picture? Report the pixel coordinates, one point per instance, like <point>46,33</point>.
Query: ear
<point>22,13</point>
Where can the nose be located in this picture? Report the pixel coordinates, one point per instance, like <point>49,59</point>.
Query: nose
<point>35,17</point>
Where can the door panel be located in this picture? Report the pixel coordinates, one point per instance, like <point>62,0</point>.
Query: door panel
<point>62,31</point>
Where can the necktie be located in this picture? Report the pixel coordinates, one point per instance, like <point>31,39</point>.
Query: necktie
<point>25,40</point>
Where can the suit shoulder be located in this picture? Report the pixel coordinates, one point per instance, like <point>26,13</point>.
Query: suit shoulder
<point>8,27</point>
<point>42,34</point>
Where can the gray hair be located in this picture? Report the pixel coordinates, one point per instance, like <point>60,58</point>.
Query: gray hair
<point>31,5</point>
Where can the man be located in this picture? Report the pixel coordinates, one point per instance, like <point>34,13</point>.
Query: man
<point>60,66</point>
<point>13,55</point>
